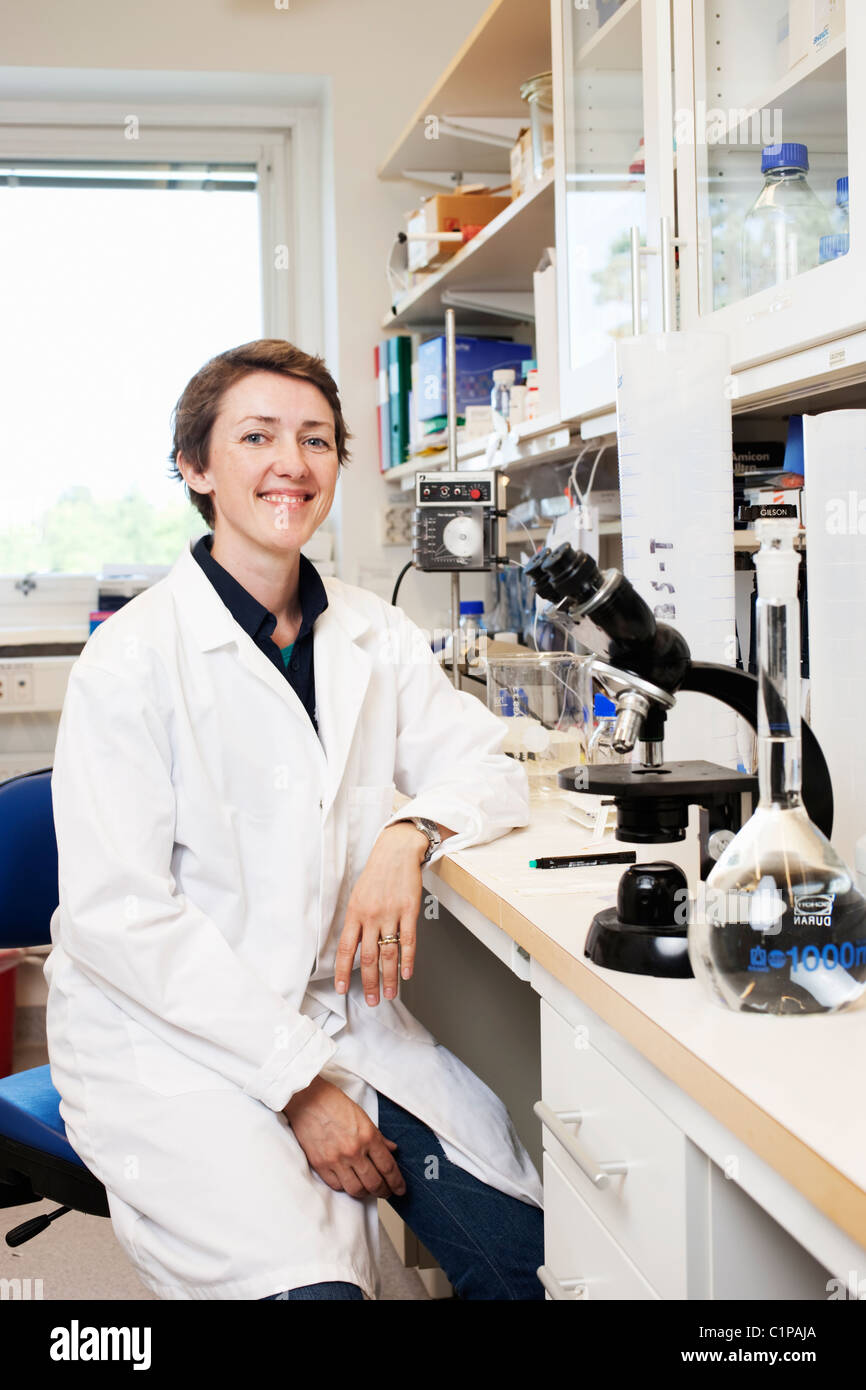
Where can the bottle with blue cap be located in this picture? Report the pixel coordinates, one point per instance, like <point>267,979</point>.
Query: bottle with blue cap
<point>843,220</point>
<point>783,229</point>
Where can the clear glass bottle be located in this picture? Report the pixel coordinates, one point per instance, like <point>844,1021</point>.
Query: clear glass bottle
<point>473,631</point>
<point>782,929</point>
<point>783,229</point>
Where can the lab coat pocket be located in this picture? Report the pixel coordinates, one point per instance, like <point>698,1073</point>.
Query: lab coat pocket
<point>368,810</point>
<point>161,1068</point>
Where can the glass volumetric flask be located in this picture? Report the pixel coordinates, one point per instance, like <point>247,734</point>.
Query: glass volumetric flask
<point>782,927</point>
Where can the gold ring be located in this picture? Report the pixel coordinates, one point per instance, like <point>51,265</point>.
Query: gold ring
<point>388,940</point>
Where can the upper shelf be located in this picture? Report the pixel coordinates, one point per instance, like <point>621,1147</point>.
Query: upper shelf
<point>510,43</point>
<point>501,258</point>
<point>801,94</point>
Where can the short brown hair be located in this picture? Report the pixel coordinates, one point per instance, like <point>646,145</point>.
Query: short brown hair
<point>198,406</point>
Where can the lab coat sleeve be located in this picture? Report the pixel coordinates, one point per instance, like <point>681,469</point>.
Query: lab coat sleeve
<point>449,757</point>
<point>121,919</point>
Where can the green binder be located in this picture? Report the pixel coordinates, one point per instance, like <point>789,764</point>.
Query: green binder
<point>399,386</point>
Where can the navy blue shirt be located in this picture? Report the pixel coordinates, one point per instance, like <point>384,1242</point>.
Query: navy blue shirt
<point>259,624</point>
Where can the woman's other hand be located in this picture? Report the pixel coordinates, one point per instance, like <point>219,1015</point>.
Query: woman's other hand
<point>342,1144</point>
<point>385,902</point>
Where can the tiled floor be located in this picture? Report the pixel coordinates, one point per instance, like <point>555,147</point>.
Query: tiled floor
<point>78,1256</point>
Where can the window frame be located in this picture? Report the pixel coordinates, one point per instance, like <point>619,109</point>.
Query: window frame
<point>282,142</point>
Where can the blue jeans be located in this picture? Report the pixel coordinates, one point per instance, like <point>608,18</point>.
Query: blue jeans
<point>488,1244</point>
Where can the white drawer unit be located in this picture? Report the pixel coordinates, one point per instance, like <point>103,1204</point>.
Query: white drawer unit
<point>582,1261</point>
<point>624,1156</point>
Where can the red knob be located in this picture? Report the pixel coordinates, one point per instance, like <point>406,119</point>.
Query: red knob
<point>475,493</point>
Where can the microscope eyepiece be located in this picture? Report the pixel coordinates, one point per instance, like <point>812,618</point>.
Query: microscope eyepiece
<point>538,576</point>
<point>573,573</point>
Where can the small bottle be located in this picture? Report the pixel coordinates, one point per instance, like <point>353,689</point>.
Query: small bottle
<point>500,398</point>
<point>472,629</point>
<point>601,749</point>
<point>783,926</point>
<point>517,412</point>
<point>783,229</point>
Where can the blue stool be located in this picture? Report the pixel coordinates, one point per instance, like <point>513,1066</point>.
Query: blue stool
<point>37,1162</point>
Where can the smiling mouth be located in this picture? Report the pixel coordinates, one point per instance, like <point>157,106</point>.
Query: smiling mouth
<point>285,499</point>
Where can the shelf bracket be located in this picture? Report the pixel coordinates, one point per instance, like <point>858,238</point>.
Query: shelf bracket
<point>480,136</point>
<point>508,304</point>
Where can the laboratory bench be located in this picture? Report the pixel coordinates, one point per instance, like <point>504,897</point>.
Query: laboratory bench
<point>743,1136</point>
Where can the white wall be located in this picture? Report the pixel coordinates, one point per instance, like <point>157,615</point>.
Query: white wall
<point>382,56</point>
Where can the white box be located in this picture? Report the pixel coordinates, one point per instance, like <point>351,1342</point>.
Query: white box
<point>828,22</point>
<point>546,348</point>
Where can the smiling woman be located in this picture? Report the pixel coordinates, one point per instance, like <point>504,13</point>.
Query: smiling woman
<point>240,807</point>
<point>201,401</point>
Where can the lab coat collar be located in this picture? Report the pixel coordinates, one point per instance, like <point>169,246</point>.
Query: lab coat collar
<point>342,667</point>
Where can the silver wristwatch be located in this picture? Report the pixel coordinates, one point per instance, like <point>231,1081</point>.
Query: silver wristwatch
<point>431,830</point>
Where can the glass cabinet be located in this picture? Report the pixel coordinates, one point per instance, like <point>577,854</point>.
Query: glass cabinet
<point>766,94</point>
<point>614,182</point>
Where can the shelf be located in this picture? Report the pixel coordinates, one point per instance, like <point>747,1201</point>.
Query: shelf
<point>805,101</point>
<point>509,44</point>
<point>617,44</point>
<point>539,533</point>
<point>501,258</point>
<point>534,442</point>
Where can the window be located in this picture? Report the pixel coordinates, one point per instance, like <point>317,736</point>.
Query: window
<point>118,281</point>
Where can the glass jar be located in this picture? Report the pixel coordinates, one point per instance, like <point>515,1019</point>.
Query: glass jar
<point>538,93</point>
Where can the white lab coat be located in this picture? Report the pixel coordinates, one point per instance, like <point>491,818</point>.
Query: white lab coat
<point>208,843</point>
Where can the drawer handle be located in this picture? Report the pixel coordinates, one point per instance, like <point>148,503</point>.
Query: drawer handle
<point>598,1173</point>
<point>561,1288</point>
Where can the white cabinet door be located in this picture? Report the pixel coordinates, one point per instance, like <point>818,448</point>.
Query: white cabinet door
<point>748,76</point>
<point>582,1261</point>
<point>613,116</point>
<point>594,1112</point>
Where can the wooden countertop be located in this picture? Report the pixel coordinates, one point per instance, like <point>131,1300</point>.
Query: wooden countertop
<point>786,1087</point>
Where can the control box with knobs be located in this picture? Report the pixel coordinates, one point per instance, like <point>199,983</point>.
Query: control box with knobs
<point>459,521</point>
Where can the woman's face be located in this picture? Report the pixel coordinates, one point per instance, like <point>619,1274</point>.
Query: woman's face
<point>272,462</point>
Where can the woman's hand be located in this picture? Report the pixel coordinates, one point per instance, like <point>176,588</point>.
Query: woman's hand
<point>342,1144</point>
<point>385,902</point>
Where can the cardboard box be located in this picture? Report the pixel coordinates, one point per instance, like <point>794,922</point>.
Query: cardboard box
<point>449,212</point>
<point>521,152</point>
<point>477,359</point>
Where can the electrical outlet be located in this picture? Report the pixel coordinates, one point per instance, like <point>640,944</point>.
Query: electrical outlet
<point>396,524</point>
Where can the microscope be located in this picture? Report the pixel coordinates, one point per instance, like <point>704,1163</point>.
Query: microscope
<point>642,664</point>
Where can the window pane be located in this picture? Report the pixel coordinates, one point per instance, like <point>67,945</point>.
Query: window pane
<point>112,298</point>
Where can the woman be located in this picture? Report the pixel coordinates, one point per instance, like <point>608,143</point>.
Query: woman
<point>234,884</point>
